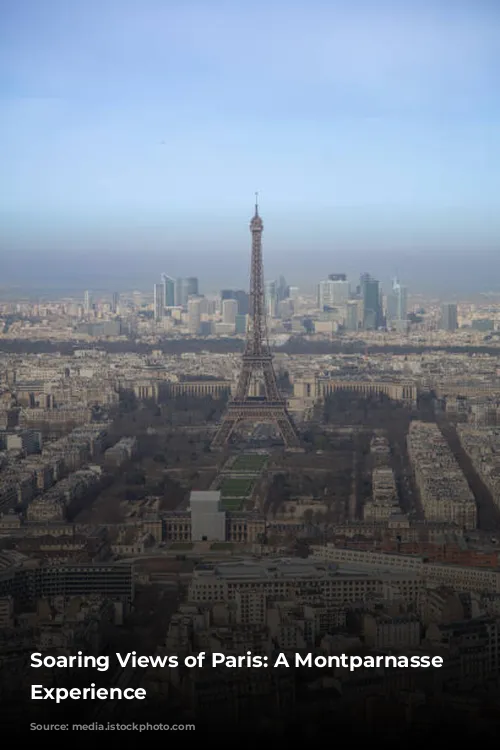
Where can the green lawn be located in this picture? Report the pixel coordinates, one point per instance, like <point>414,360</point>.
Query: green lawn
<point>234,504</point>
<point>249,462</point>
<point>182,545</point>
<point>221,546</point>
<point>236,487</point>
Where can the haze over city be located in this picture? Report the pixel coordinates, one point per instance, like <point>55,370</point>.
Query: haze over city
<point>134,135</point>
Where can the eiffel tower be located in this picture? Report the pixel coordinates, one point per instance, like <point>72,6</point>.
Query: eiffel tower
<point>257,363</point>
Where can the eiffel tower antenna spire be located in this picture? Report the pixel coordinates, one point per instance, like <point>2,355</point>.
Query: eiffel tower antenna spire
<point>257,362</point>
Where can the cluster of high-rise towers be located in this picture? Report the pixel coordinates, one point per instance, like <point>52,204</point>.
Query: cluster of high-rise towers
<point>173,293</point>
<point>363,306</point>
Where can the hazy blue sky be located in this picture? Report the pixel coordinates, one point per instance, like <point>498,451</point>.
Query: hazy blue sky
<point>140,130</point>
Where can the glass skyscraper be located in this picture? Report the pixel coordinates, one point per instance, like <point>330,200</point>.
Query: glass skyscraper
<point>449,316</point>
<point>372,312</point>
<point>185,288</point>
<point>169,287</point>
<point>397,302</point>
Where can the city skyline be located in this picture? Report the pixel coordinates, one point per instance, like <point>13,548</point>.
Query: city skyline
<point>370,134</point>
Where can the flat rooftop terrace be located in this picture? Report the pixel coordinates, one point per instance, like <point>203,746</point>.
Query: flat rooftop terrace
<point>293,569</point>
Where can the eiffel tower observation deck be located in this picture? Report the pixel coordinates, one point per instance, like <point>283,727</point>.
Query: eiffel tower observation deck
<point>257,372</point>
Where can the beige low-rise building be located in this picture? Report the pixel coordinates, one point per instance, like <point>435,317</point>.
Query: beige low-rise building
<point>459,577</point>
<point>443,489</point>
<point>131,541</point>
<point>240,527</point>
<point>287,578</point>
<point>383,631</point>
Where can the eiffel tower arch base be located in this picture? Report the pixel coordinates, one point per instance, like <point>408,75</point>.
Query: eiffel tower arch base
<point>264,412</point>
